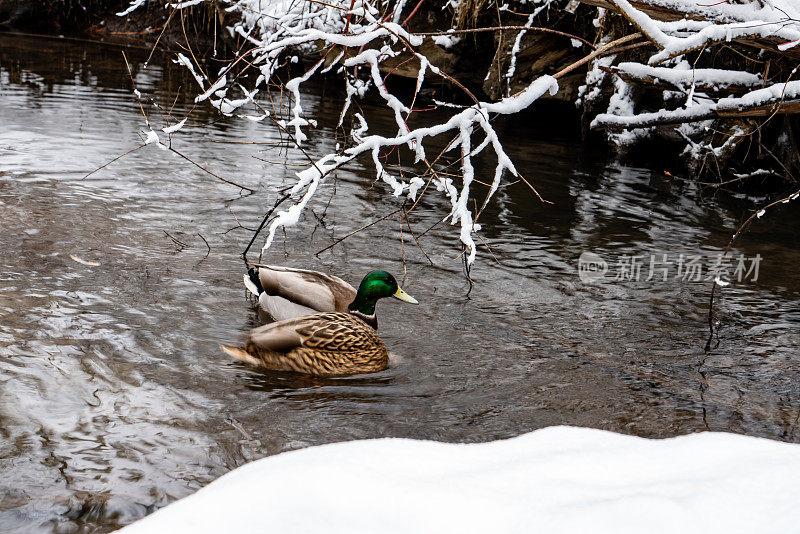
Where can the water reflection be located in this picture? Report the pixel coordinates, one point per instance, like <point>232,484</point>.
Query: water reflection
<point>114,397</point>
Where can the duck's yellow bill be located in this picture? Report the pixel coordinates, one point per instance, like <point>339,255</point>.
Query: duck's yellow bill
<point>405,297</point>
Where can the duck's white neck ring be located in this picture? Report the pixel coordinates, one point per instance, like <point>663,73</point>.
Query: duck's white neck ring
<point>371,320</point>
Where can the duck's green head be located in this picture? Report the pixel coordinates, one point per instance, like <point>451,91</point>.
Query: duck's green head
<point>377,285</point>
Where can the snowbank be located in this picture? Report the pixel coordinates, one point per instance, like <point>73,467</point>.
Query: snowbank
<point>558,479</point>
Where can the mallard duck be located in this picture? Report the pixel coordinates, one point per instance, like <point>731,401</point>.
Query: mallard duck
<point>321,344</point>
<point>287,293</point>
<point>328,343</point>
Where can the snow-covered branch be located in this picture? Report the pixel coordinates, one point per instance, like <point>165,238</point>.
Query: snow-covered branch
<point>355,39</point>
<point>683,32</point>
<point>363,42</point>
<point>761,102</point>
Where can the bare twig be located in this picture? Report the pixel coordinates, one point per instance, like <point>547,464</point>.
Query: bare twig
<point>207,245</point>
<point>101,167</point>
<point>408,224</point>
<point>742,227</point>
<point>160,35</point>
<point>217,176</point>
<point>376,221</point>
<point>180,245</point>
<point>263,222</point>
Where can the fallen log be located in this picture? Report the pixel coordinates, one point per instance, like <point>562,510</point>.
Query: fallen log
<point>701,79</point>
<point>780,98</point>
<point>669,10</point>
<point>790,107</point>
<point>606,121</point>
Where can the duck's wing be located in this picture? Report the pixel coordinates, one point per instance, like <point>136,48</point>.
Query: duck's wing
<point>312,289</point>
<point>320,331</point>
<point>322,344</point>
<point>267,345</point>
<point>281,309</point>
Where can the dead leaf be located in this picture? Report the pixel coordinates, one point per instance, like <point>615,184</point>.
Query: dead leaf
<point>85,262</point>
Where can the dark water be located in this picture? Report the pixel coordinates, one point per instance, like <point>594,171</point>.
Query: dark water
<point>114,397</point>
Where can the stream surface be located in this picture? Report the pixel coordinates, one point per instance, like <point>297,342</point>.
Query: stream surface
<point>115,399</point>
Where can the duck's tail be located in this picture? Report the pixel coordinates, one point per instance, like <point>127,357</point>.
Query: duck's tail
<point>252,283</point>
<point>240,354</point>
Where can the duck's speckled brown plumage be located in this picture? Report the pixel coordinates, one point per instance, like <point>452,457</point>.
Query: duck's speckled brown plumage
<point>322,344</point>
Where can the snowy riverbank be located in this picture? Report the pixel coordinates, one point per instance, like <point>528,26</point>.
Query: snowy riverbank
<point>558,479</point>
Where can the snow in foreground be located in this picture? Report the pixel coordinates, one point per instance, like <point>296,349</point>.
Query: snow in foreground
<point>558,479</point>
